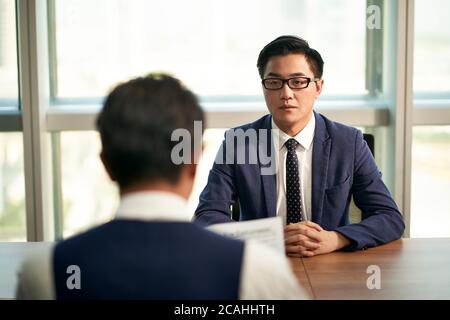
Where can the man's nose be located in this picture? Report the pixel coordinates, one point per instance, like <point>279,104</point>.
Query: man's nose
<point>286,92</point>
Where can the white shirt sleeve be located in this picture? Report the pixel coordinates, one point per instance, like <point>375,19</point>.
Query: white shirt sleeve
<point>35,278</point>
<point>267,275</point>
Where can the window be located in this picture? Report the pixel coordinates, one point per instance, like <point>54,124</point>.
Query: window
<point>8,56</point>
<point>12,193</point>
<point>12,183</point>
<point>88,196</point>
<point>430,209</point>
<point>432,47</point>
<point>213,49</point>
<point>430,176</point>
<point>212,140</point>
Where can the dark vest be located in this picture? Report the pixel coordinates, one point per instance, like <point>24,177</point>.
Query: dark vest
<point>129,259</point>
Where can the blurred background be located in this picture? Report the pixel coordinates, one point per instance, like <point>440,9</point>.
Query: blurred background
<point>52,184</point>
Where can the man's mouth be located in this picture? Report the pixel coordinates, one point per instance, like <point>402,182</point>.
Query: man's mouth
<point>287,106</point>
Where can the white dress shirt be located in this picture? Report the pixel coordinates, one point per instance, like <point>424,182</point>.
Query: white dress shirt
<point>265,274</point>
<point>304,152</point>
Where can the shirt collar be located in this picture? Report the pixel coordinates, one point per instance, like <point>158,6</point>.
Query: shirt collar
<point>153,205</point>
<point>304,137</point>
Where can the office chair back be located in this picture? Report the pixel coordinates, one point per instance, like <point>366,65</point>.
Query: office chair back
<point>370,139</point>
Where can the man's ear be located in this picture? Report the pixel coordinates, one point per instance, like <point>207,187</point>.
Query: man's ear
<point>107,168</point>
<point>192,169</point>
<point>319,86</point>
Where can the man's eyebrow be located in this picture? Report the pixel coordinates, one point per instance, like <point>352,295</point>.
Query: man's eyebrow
<point>297,74</point>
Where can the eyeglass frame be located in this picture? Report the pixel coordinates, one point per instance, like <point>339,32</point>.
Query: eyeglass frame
<point>286,81</point>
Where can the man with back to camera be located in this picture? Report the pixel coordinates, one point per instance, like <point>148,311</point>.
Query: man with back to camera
<point>151,250</point>
<point>320,164</point>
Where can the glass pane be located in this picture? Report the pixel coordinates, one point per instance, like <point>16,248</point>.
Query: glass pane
<point>432,46</point>
<point>213,49</point>
<point>12,184</point>
<point>212,139</point>
<point>430,207</point>
<point>89,197</point>
<point>8,55</point>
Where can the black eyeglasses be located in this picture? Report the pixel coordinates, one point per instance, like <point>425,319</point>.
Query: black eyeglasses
<point>293,83</point>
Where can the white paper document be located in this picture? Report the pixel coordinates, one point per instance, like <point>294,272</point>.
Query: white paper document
<point>268,231</point>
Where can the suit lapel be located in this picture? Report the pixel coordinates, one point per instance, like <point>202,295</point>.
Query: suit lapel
<point>265,147</point>
<point>320,158</point>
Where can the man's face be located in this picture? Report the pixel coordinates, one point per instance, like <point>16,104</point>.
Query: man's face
<point>291,108</point>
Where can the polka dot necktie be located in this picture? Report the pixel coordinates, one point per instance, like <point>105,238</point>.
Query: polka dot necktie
<point>293,199</point>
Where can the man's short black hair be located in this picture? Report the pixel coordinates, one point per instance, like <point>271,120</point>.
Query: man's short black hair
<point>136,124</point>
<point>285,45</point>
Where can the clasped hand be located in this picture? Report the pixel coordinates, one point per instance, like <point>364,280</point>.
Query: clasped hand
<point>308,239</point>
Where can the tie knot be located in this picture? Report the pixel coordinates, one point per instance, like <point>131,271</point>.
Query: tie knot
<point>291,144</point>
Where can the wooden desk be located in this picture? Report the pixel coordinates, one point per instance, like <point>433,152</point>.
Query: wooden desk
<point>300,273</point>
<point>410,269</point>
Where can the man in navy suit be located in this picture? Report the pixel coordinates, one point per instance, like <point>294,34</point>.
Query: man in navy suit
<point>319,164</point>
<point>151,250</point>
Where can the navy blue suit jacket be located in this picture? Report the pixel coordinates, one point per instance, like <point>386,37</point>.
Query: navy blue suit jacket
<point>342,166</point>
